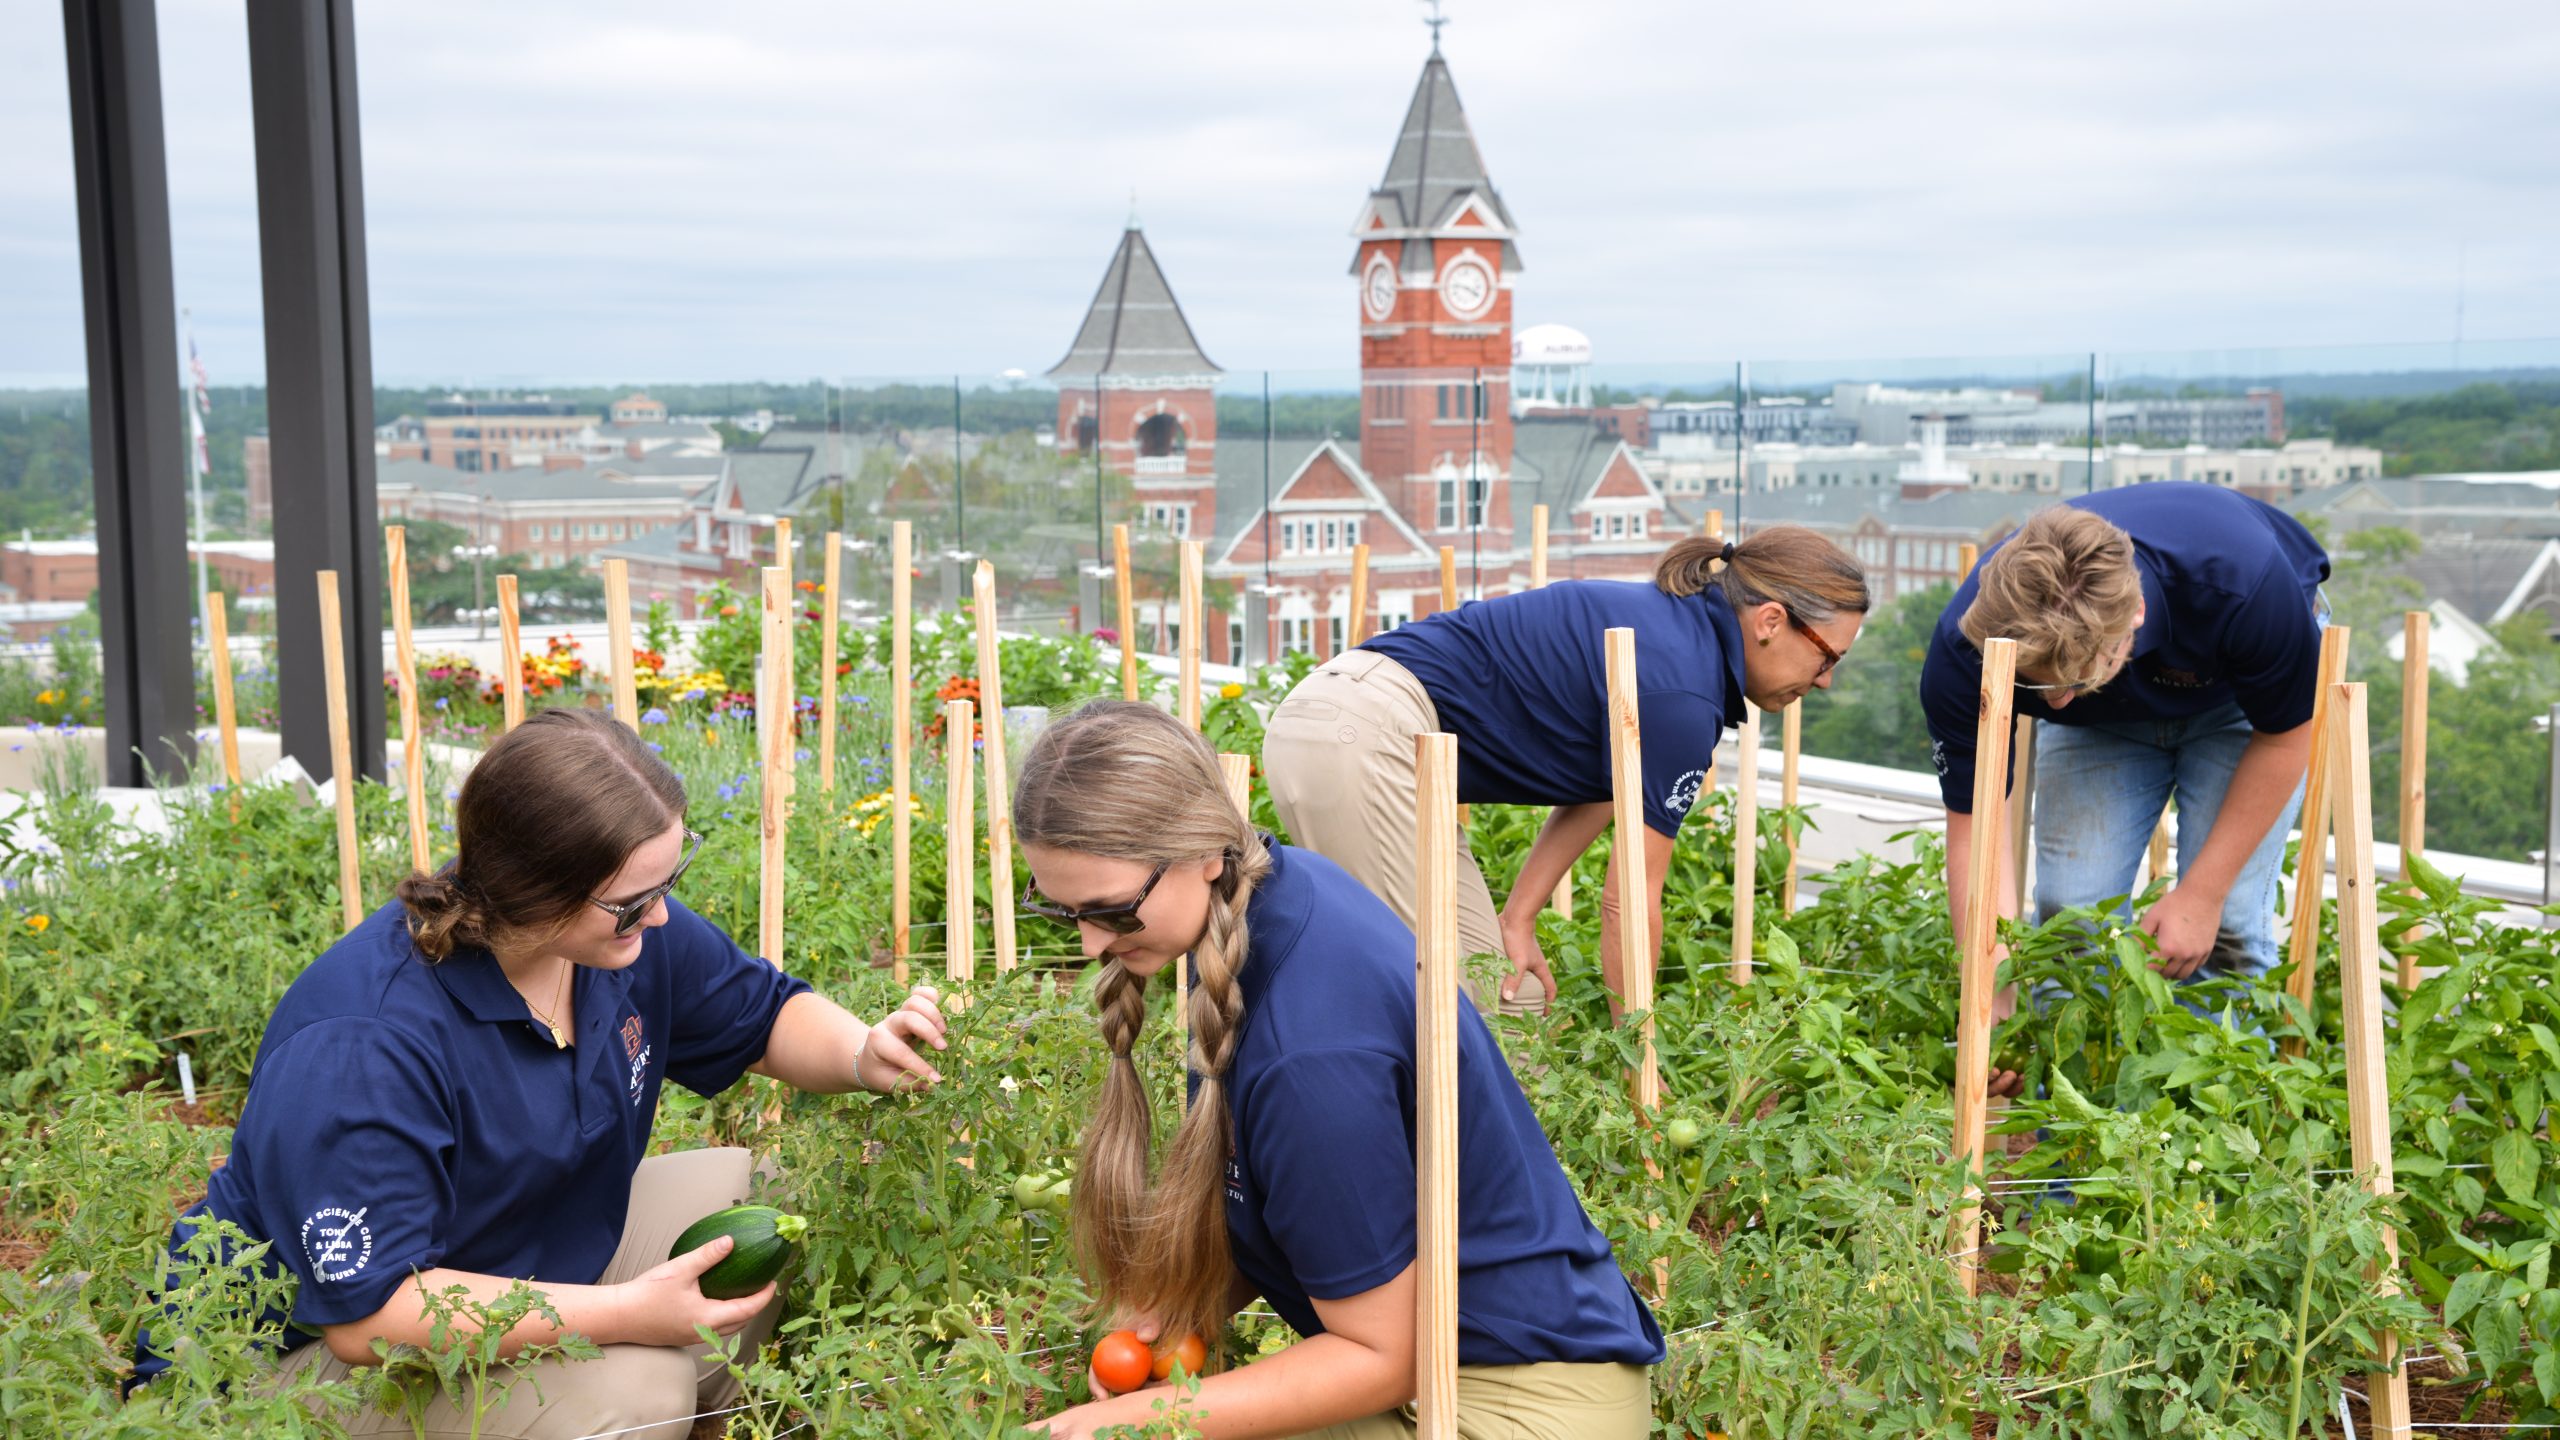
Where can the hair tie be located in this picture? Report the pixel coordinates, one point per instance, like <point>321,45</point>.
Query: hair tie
<point>1726,554</point>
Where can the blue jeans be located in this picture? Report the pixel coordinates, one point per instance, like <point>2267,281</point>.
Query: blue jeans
<point>2100,790</point>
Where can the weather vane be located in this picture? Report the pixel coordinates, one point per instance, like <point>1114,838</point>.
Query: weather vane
<point>1435,21</point>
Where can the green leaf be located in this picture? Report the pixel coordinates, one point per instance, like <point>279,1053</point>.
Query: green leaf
<point>2546,1374</point>
<point>2193,1069</point>
<point>2549,1042</point>
<point>2498,1336</point>
<point>2515,1163</point>
<point>2469,1289</point>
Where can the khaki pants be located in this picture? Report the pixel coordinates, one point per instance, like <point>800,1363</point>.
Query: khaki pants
<point>1338,754</point>
<point>1530,1402</point>
<point>643,1392</point>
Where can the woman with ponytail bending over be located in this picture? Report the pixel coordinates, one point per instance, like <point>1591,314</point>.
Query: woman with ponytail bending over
<point>1522,681</point>
<point>1292,1175</point>
<point>460,1093</point>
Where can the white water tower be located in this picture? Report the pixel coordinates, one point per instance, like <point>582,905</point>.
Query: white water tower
<point>1550,369</point>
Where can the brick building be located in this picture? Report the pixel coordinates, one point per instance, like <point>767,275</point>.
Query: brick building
<point>558,515</point>
<point>1136,386</point>
<point>60,571</point>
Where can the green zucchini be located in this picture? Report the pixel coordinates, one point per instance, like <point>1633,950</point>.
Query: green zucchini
<point>763,1237</point>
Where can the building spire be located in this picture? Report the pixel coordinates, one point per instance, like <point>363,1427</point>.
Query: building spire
<point>1133,207</point>
<point>1435,20</point>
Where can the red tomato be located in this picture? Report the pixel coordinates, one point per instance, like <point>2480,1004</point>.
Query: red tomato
<point>1190,1354</point>
<point>1121,1362</point>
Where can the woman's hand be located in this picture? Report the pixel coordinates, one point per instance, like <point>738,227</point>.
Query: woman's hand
<point>663,1306</point>
<point>1147,1328</point>
<point>889,1060</point>
<point>1520,943</point>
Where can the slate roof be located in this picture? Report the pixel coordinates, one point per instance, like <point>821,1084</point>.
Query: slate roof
<point>2436,505</point>
<point>1556,463</point>
<point>1970,512</point>
<point>1239,471</point>
<point>521,484</point>
<point>2475,573</point>
<point>1134,326</point>
<point>1434,168</point>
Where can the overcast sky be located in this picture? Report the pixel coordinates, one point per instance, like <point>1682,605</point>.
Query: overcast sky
<point>789,188</point>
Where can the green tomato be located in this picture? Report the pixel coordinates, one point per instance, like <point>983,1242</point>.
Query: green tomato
<point>2098,1255</point>
<point>1683,1133</point>
<point>1058,1195</point>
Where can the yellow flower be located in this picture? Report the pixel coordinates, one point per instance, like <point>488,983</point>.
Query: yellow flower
<point>39,923</point>
<point>1230,692</point>
<point>48,697</point>
<point>710,737</point>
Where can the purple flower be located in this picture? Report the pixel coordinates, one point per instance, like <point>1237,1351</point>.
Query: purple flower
<point>654,745</point>
<point>653,716</point>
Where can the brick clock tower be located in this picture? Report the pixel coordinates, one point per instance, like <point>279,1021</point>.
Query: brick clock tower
<point>1435,267</point>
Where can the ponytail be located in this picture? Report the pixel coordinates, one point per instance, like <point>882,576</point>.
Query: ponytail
<point>1789,565</point>
<point>439,918</point>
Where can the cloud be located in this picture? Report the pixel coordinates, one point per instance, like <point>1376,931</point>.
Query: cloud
<point>789,187</point>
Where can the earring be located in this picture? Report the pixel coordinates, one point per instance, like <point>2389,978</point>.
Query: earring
<point>1764,642</point>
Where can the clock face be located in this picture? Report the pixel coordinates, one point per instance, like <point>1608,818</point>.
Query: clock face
<point>1378,288</point>
<point>1467,286</point>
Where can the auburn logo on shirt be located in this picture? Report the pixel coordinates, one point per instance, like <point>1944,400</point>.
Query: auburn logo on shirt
<point>635,1048</point>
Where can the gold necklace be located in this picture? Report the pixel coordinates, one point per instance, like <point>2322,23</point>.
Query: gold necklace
<point>559,1040</point>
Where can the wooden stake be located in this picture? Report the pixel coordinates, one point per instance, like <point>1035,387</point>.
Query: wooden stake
<point>2311,865</point>
<point>2360,979</point>
<point>999,778</point>
<point>617,629</point>
<point>510,653</point>
<point>1746,840</point>
<point>1562,900</point>
<point>413,757</point>
<point>1128,613</point>
<point>226,713</point>
<point>1791,736</point>
<point>1981,934</point>
<point>774,693</point>
<point>828,685</point>
<point>1626,778</point>
<point>1715,531</point>
<point>902,734</point>
<point>959,848</point>
<point>1435,1151</point>
<point>2022,804</point>
<point>1448,577</point>
<point>1358,628</point>
<point>782,555</point>
<point>1966,554</point>
<point>2414,678</point>
<point>1189,647</point>
<point>1237,771</point>
<point>2158,855</point>
<point>342,758</point>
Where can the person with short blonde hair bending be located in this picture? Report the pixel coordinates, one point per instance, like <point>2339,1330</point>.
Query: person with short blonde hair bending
<point>2168,649</point>
<point>1522,681</point>
<point>1291,1176</point>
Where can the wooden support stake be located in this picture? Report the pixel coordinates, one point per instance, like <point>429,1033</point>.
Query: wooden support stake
<point>1435,1022</point>
<point>1237,771</point>
<point>830,606</point>
<point>1192,620</point>
<point>617,629</point>
<point>1562,900</point>
<point>226,711</point>
<point>959,850</point>
<point>1975,945</point>
<point>775,692</point>
<point>2157,857</point>
<point>1358,628</point>
<point>342,758</point>
<point>1966,554</point>
<point>1448,577</point>
<point>1791,736</point>
<point>510,653</point>
<point>999,777</point>
<point>1128,613</point>
<point>902,736</point>
<point>1746,840</point>
<point>1626,779</point>
<point>2414,677</point>
<point>1715,531</point>
<point>2360,955</point>
<point>2311,865</point>
<point>782,549</point>
<point>413,756</point>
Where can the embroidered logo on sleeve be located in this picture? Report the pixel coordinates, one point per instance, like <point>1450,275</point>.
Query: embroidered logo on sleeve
<point>635,1048</point>
<point>1938,757</point>
<point>1684,792</point>
<point>338,1242</point>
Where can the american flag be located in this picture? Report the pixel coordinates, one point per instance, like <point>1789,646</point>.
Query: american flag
<point>203,406</point>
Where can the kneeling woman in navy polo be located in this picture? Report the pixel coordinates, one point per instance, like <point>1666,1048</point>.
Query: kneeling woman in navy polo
<point>460,1092</point>
<point>1292,1176</point>
<point>1522,681</point>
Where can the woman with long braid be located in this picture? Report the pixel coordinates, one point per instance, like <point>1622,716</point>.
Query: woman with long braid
<point>1291,1177</point>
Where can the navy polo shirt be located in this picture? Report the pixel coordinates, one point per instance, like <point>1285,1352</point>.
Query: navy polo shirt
<point>403,1116</point>
<point>2228,586</point>
<point>1523,681</point>
<point>1320,1189</point>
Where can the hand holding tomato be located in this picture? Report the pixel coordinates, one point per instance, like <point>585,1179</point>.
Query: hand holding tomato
<point>1188,1355</point>
<point>1121,1363</point>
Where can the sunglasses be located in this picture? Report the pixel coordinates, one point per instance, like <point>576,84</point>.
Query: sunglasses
<point>1830,657</point>
<point>628,915</point>
<point>1118,919</point>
